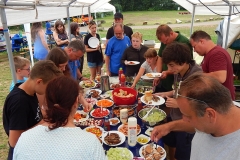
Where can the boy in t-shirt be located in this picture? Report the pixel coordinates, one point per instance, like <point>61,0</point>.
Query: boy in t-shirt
<point>22,67</point>
<point>21,110</point>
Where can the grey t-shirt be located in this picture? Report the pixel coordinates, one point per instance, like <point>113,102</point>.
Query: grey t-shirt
<point>207,147</point>
<point>175,112</point>
<point>148,68</point>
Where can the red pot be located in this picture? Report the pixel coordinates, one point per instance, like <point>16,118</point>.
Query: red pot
<point>125,100</point>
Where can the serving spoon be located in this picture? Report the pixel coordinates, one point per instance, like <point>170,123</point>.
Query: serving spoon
<point>146,115</point>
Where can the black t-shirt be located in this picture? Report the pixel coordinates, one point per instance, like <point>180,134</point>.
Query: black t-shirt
<point>94,56</point>
<point>20,111</point>
<point>127,31</point>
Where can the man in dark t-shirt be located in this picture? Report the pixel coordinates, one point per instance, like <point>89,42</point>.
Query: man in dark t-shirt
<point>118,18</point>
<point>21,110</point>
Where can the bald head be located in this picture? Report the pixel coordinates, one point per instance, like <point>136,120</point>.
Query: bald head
<point>118,30</point>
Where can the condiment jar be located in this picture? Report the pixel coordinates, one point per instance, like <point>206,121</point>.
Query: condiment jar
<point>124,115</point>
<point>132,131</point>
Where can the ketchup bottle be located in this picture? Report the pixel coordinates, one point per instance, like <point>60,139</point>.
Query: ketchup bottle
<point>120,72</point>
<point>123,80</point>
<point>106,124</point>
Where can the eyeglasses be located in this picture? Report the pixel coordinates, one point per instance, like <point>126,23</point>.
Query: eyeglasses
<point>28,69</point>
<point>193,99</point>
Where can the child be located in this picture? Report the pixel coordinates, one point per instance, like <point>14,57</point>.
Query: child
<point>22,66</point>
<point>21,110</point>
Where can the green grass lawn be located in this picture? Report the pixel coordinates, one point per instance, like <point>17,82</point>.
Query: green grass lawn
<point>129,17</point>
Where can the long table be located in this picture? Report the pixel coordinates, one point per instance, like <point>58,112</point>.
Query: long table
<point>134,150</point>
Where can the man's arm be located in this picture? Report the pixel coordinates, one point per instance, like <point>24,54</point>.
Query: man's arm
<point>221,75</point>
<point>14,136</point>
<point>178,125</point>
<point>107,61</point>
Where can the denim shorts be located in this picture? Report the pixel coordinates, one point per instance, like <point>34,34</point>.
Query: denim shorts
<point>96,64</point>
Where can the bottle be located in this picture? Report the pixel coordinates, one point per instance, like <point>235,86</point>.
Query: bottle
<point>102,72</point>
<point>106,124</point>
<point>20,34</point>
<point>119,73</point>
<point>139,107</point>
<point>123,80</point>
<point>123,115</point>
<point>132,131</point>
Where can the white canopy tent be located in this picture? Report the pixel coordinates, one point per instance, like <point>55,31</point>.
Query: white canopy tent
<point>15,12</point>
<point>212,7</point>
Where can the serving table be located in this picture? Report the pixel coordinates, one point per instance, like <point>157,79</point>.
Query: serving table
<point>135,149</point>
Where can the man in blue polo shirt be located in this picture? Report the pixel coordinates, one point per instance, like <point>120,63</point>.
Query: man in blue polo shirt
<point>114,50</point>
<point>75,50</point>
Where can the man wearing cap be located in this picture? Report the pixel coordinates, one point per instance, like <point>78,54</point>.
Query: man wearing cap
<point>118,18</point>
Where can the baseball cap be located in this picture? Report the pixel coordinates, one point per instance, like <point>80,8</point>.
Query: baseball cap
<point>118,15</point>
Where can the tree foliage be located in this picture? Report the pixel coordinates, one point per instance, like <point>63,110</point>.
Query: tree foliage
<point>144,5</point>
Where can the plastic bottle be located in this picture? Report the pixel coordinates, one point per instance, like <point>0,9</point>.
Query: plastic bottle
<point>119,73</point>
<point>123,80</point>
<point>124,115</point>
<point>132,131</point>
<point>139,107</point>
<point>20,34</point>
<point>106,124</point>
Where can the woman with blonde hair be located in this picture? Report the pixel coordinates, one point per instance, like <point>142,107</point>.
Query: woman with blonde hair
<point>40,42</point>
<point>94,55</point>
<point>134,53</point>
<point>149,66</point>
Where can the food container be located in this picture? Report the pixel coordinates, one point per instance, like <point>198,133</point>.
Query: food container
<point>143,139</point>
<point>160,118</point>
<point>130,108</point>
<point>124,100</point>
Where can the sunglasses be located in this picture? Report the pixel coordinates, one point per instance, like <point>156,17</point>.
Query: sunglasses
<point>176,94</point>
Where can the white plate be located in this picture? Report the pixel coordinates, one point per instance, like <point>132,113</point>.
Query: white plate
<point>89,91</point>
<point>149,131</point>
<point>114,119</point>
<point>133,62</point>
<point>141,155</point>
<point>94,127</point>
<point>83,86</point>
<point>155,75</point>
<point>99,105</point>
<point>104,109</point>
<point>93,42</point>
<point>107,94</point>
<point>82,119</point>
<point>127,135</point>
<point>93,101</point>
<point>160,102</point>
<point>121,135</point>
<point>120,152</point>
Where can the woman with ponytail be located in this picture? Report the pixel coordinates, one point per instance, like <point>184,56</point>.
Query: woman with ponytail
<point>58,137</point>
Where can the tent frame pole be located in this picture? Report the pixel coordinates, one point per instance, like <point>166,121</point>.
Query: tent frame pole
<point>8,44</point>
<point>192,21</point>
<point>228,26</point>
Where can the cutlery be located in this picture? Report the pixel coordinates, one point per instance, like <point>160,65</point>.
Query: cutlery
<point>146,115</point>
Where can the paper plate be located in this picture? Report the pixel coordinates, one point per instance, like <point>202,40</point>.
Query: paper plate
<point>159,102</point>
<point>163,156</point>
<point>100,128</point>
<point>82,119</point>
<point>121,135</point>
<point>133,62</point>
<point>151,75</point>
<point>91,84</point>
<point>93,42</point>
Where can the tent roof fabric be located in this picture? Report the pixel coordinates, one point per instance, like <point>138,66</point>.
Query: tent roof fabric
<point>49,10</point>
<point>218,6</point>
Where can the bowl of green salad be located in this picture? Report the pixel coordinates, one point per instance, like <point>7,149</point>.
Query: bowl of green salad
<point>155,117</point>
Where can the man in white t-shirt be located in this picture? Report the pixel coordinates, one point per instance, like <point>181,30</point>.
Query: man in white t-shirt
<point>208,109</point>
